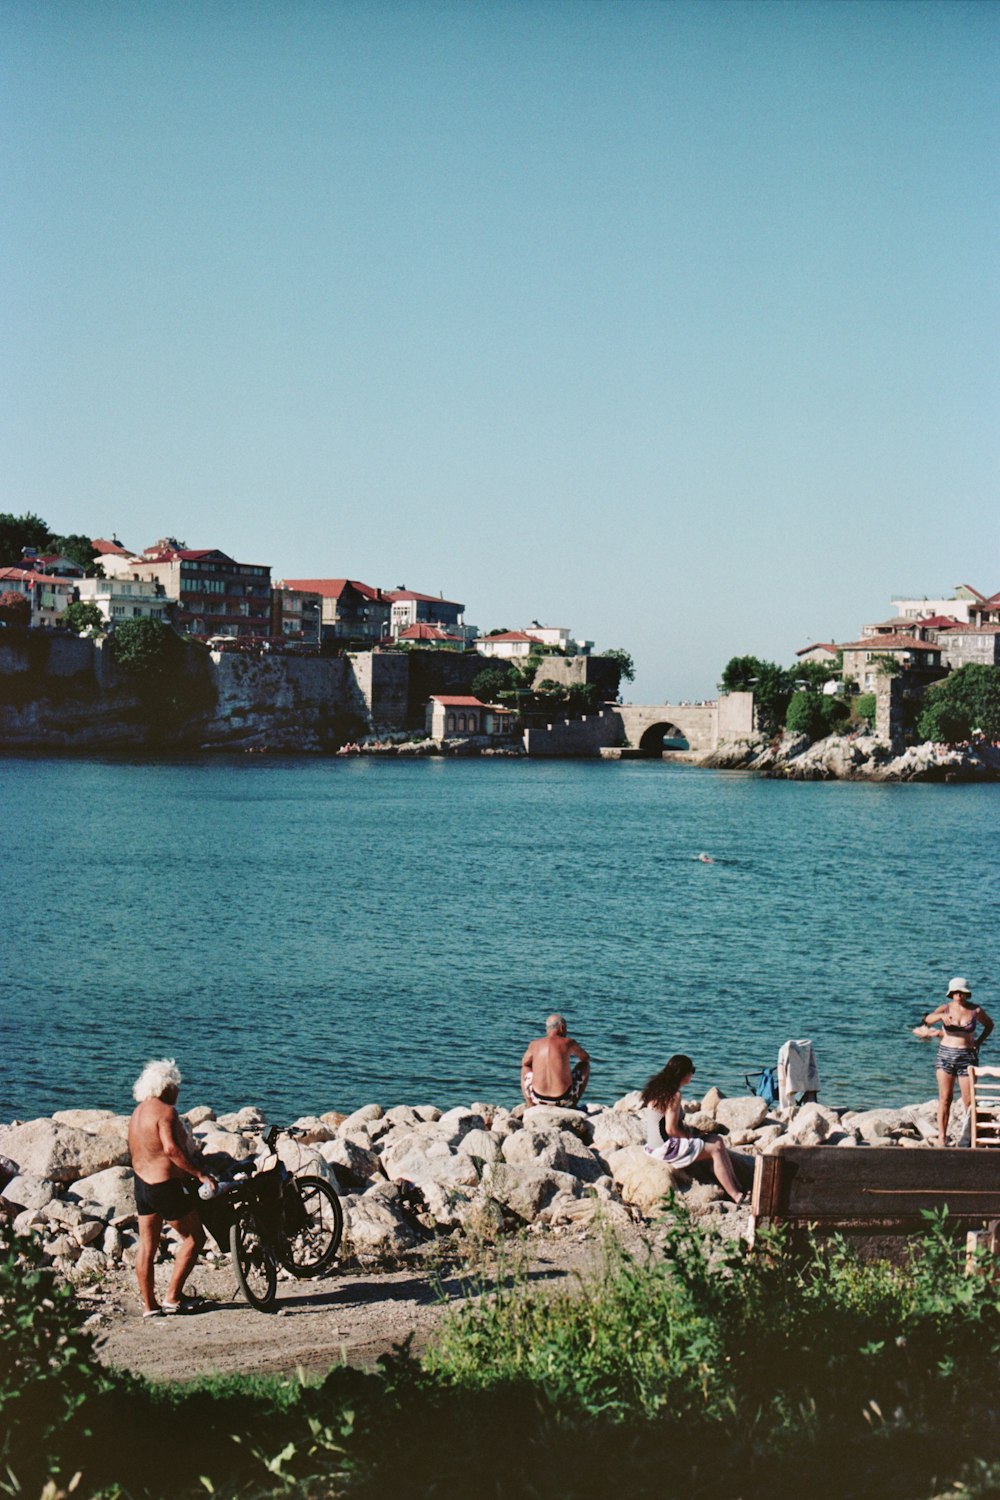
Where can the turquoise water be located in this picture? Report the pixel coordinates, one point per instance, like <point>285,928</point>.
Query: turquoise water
<point>315,934</point>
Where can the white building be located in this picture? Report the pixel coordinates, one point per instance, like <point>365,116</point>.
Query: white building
<point>510,643</point>
<point>558,636</point>
<point>126,598</point>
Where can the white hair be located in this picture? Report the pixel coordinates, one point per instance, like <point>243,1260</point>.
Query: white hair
<point>155,1078</point>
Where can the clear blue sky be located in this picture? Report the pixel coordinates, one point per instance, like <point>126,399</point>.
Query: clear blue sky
<point>673,323</point>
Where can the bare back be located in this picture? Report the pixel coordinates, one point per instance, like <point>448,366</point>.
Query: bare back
<point>153,1135</point>
<point>548,1057</point>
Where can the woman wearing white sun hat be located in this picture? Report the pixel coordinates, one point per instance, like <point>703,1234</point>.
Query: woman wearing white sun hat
<point>959,1049</point>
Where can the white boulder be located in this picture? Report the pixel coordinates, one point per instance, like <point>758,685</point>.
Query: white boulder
<point>642,1179</point>
<point>614,1129</point>
<point>743,1113</point>
<point>62,1153</point>
<point>110,1193</point>
<point>25,1191</point>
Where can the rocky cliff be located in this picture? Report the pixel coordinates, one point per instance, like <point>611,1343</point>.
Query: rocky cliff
<point>794,757</point>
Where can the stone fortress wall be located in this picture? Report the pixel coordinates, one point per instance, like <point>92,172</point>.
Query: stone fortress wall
<point>64,692</point>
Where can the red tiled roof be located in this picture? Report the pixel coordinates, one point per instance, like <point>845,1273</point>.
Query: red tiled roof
<point>819,646</point>
<point>393,595</point>
<point>507,635</point>
<point>457,702</point>
<point>104,547</point>
<point>25,575</point>
<point>426,633</point>
<point>890,643</point>
<point>330,588</point>
<point>180,554</point>
<point>937,622</point>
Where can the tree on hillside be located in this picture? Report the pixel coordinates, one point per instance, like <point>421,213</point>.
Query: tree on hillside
<point>82,616</point>
<point>79,549</point>
<point>814,674</point>
<point>864,707</point>
<point>491,681</point>
<point>815,714</point>
<point>771,685</point>
<point>965,703</point>
<point>625,663</point>
<point>146,649</point>
<point>18,532</point>
<point>15,611</point>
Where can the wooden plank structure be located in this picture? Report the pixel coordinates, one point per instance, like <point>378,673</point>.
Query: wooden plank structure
<point>985,1111</point>
<point>873,1192</point>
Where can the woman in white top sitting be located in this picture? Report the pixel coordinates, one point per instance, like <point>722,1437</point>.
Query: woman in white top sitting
<point>670,1140</point>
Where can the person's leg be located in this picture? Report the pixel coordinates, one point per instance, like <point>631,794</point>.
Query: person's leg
<point>723,1168</point>
<point>579,1074</point>
<point>965,1084</point>
<point>946,1089</point>
<point>192,1238</point>
<point>145,1259</point>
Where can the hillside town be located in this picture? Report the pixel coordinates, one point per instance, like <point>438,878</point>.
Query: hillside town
<point>206,594</point>
<point>924,636</point>
<point>414,669</point>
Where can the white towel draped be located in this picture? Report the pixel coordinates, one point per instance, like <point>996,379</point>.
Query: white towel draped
<point>797,1071</point>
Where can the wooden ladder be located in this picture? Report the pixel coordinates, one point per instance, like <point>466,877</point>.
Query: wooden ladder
<point>985,1108</point>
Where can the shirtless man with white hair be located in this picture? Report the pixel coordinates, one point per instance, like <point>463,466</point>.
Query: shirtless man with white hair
<point>161,1161</point>
<point>547,1074</point>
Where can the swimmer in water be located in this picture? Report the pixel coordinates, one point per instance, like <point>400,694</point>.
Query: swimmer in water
<point>706,859</point>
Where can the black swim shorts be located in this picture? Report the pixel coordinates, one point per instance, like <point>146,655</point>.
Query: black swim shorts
<point>170,1199</point>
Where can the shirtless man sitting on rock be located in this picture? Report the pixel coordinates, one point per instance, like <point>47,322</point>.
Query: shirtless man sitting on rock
<point>547,1074</point>
<point>161,1161</point>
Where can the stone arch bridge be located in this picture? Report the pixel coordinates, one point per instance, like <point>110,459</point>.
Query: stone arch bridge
<point>647,728</point>
<point>681,726</point>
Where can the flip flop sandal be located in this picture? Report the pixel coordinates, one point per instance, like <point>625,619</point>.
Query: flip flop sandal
<point>185,1305</point>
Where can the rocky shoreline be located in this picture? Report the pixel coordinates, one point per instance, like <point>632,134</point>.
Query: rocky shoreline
<point>413,1177</point>
<point>862,757</point>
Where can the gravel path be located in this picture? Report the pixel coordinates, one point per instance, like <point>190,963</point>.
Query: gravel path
<point>351,1317</point>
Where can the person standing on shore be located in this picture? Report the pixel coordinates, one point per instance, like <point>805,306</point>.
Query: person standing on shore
<point>161,1162</point>
<point>958,1050</point>
<point>555,1068</point>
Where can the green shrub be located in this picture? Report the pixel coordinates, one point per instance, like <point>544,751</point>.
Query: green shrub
<point>864,708</point>
<point>965,702</point>
<point>699,1369</point>
<point>816,714</point>
<point>46,1370</point>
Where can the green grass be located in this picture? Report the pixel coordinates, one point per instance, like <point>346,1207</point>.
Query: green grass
<point>698,1370</point>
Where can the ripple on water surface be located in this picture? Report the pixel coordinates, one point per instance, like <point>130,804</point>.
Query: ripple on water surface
<point>315,934</point>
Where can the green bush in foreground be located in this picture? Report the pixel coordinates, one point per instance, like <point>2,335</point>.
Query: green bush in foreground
<point>701,1370</point>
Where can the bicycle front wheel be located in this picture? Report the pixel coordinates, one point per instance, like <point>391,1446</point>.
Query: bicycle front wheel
<point>311,1248</point>
<point>253,1263</point>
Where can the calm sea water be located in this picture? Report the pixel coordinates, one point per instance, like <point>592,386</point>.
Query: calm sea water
<point>315,934</point>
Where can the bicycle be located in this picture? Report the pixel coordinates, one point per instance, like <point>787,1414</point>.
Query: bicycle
<point>275,1219</point>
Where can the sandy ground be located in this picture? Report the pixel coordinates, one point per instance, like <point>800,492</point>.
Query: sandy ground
<point>352,1316</point>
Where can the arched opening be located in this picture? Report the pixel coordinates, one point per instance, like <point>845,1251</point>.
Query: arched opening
<point>663,737</point>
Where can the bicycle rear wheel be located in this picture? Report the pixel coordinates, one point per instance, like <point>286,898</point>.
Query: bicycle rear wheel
<point>253,1263</point>
<point>312,1247</point>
